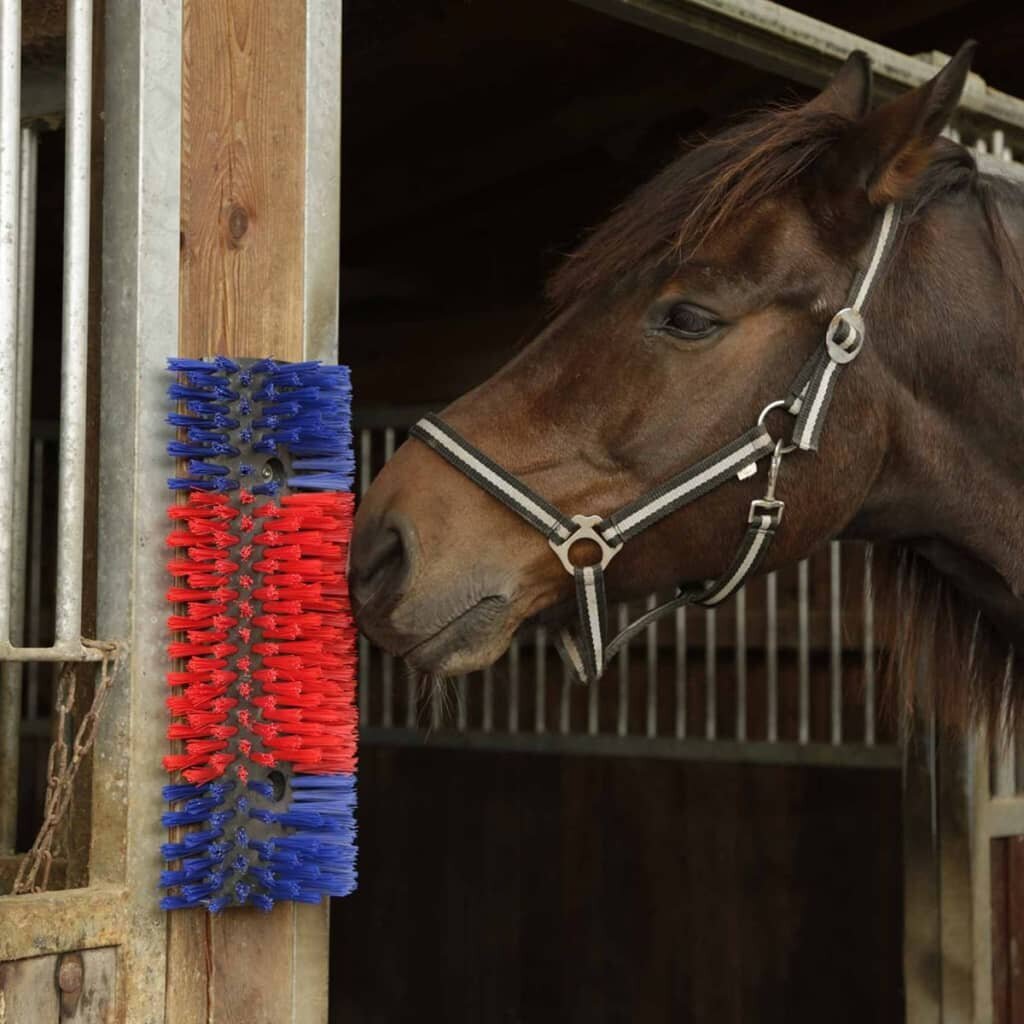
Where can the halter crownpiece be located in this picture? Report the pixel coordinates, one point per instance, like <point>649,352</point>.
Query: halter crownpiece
<point>808,400</point>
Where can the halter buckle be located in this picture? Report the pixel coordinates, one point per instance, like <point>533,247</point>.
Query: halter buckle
<point>771,507</point>
<point>854,323</point>
<point>586,529</point>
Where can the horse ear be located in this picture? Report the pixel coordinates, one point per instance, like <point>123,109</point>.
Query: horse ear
<point>888,149</point>
<point>849,92</point>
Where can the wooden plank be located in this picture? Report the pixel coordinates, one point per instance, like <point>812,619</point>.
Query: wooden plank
<point>242,177</point>
<point>28,991</point>
<point>1000,932</point>
<point>1014,912</point>
<point>241,294</point>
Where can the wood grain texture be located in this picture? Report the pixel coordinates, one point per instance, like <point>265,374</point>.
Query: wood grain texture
<point>242,195</point>
<point>242,177</point>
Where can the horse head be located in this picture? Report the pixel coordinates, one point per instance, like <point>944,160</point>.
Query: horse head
<point>682,317</point>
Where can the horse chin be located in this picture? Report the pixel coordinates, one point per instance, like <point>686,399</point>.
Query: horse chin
<point>466,630</point>
<point>473,640</point>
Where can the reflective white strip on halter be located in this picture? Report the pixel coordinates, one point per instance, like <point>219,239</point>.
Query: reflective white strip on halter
<point>496,480</point>
<point>593,612</point>
<point>631,521</point>
<point>888,219</point>
<point>762,537</point>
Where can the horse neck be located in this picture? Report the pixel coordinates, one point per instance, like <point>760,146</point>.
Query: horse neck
<point>949,352</point>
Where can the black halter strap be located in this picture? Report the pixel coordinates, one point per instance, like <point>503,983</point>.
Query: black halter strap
<point>589,650</point>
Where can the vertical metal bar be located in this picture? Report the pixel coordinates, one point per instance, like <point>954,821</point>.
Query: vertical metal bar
<point>835,641</point>
<point>622,716</point>
<point>35,571</point>
<point>74,356</point>
<point>651,666</point>
<point>412,700</point>
<point>488,699</point>
<point>437,703</point>
<point>462,712</point>
<point>540,679</point>
<point>564,709</point>
<point>387,661</point>
<point>771,621</point>
<point>513,685</point>
<point>804,652</point>
<point>741,664</point>
<point>869,648</point>
<point>1004,750</point>
<point>680,623</point>
<point>593,707</point>
<point>11,673</point>
<point>10,197</point>
<point>365,475</point>
<point>710,674</point>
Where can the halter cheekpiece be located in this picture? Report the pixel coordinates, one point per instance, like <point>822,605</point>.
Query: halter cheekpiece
<point>589,650</point>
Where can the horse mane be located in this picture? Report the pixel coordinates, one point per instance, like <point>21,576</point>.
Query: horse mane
<point>941,653</point>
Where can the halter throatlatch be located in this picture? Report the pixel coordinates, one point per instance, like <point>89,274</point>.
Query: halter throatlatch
<point>589,650</point>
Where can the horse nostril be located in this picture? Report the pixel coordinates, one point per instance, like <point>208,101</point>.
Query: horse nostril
<point>381,560</point>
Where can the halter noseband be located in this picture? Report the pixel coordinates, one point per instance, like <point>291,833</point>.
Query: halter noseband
<point>808,401</point>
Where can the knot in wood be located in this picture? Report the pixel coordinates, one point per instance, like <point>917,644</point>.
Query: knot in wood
<point>238,222</point>
<point>70,974</point>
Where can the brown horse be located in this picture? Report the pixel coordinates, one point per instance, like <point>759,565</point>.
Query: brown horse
<point>679,319</point>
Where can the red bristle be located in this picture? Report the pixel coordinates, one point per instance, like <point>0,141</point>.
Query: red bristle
<point>283,595</point>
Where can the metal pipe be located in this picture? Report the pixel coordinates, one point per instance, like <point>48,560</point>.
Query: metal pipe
<point>835,640</point>
<point>73,651</point>
<point>461,712</point>
<point>513,685</point>
<point>710,674</point>
<point>365,474</point>
<point>11,673</point>
<point>35,570</point>
<point>681,673</point>
<point>10,197</point>
<point>564,710</point>
<point>869,648</point>
<point>652,670</point>
<point>74,356</point>
<point>387,661</point>
<point>804,652</point>
<point>540,679</point>
<point>488,698</point>
<point>622,711</point>
<point>771,616</point>
<point>593,707</point>
<point>741,664</point>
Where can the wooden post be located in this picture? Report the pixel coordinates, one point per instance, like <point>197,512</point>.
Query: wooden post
<point>243,197</point>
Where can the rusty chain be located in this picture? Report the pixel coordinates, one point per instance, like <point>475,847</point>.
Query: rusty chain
<point>62,765</point>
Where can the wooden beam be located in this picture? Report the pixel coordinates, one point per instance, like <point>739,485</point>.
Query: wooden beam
<point>243,180</point>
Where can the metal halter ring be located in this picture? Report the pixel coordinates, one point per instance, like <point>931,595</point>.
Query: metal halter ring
<point>854,324</point>
<point>586,529</point>
<point>779,403</point>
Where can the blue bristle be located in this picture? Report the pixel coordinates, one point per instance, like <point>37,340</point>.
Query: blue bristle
<point>227,365</point>
<point>269,487</point>
<point>265,789</point>
<point>182,791</point>
<point>322,481</point>
<point>200,468</point>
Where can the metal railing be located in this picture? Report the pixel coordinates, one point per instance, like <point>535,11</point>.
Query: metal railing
<point>17,235</point>
<point>785,673</point>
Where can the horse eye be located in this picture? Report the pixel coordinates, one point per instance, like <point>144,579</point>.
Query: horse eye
<point>689,321</point>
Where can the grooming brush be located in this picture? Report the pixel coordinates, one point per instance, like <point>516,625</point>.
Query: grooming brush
<point>262,685</point>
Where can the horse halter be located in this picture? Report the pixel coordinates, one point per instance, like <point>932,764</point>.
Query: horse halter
<point>808,401</point>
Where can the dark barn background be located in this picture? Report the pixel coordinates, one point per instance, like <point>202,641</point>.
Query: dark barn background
<point>480,139</point>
